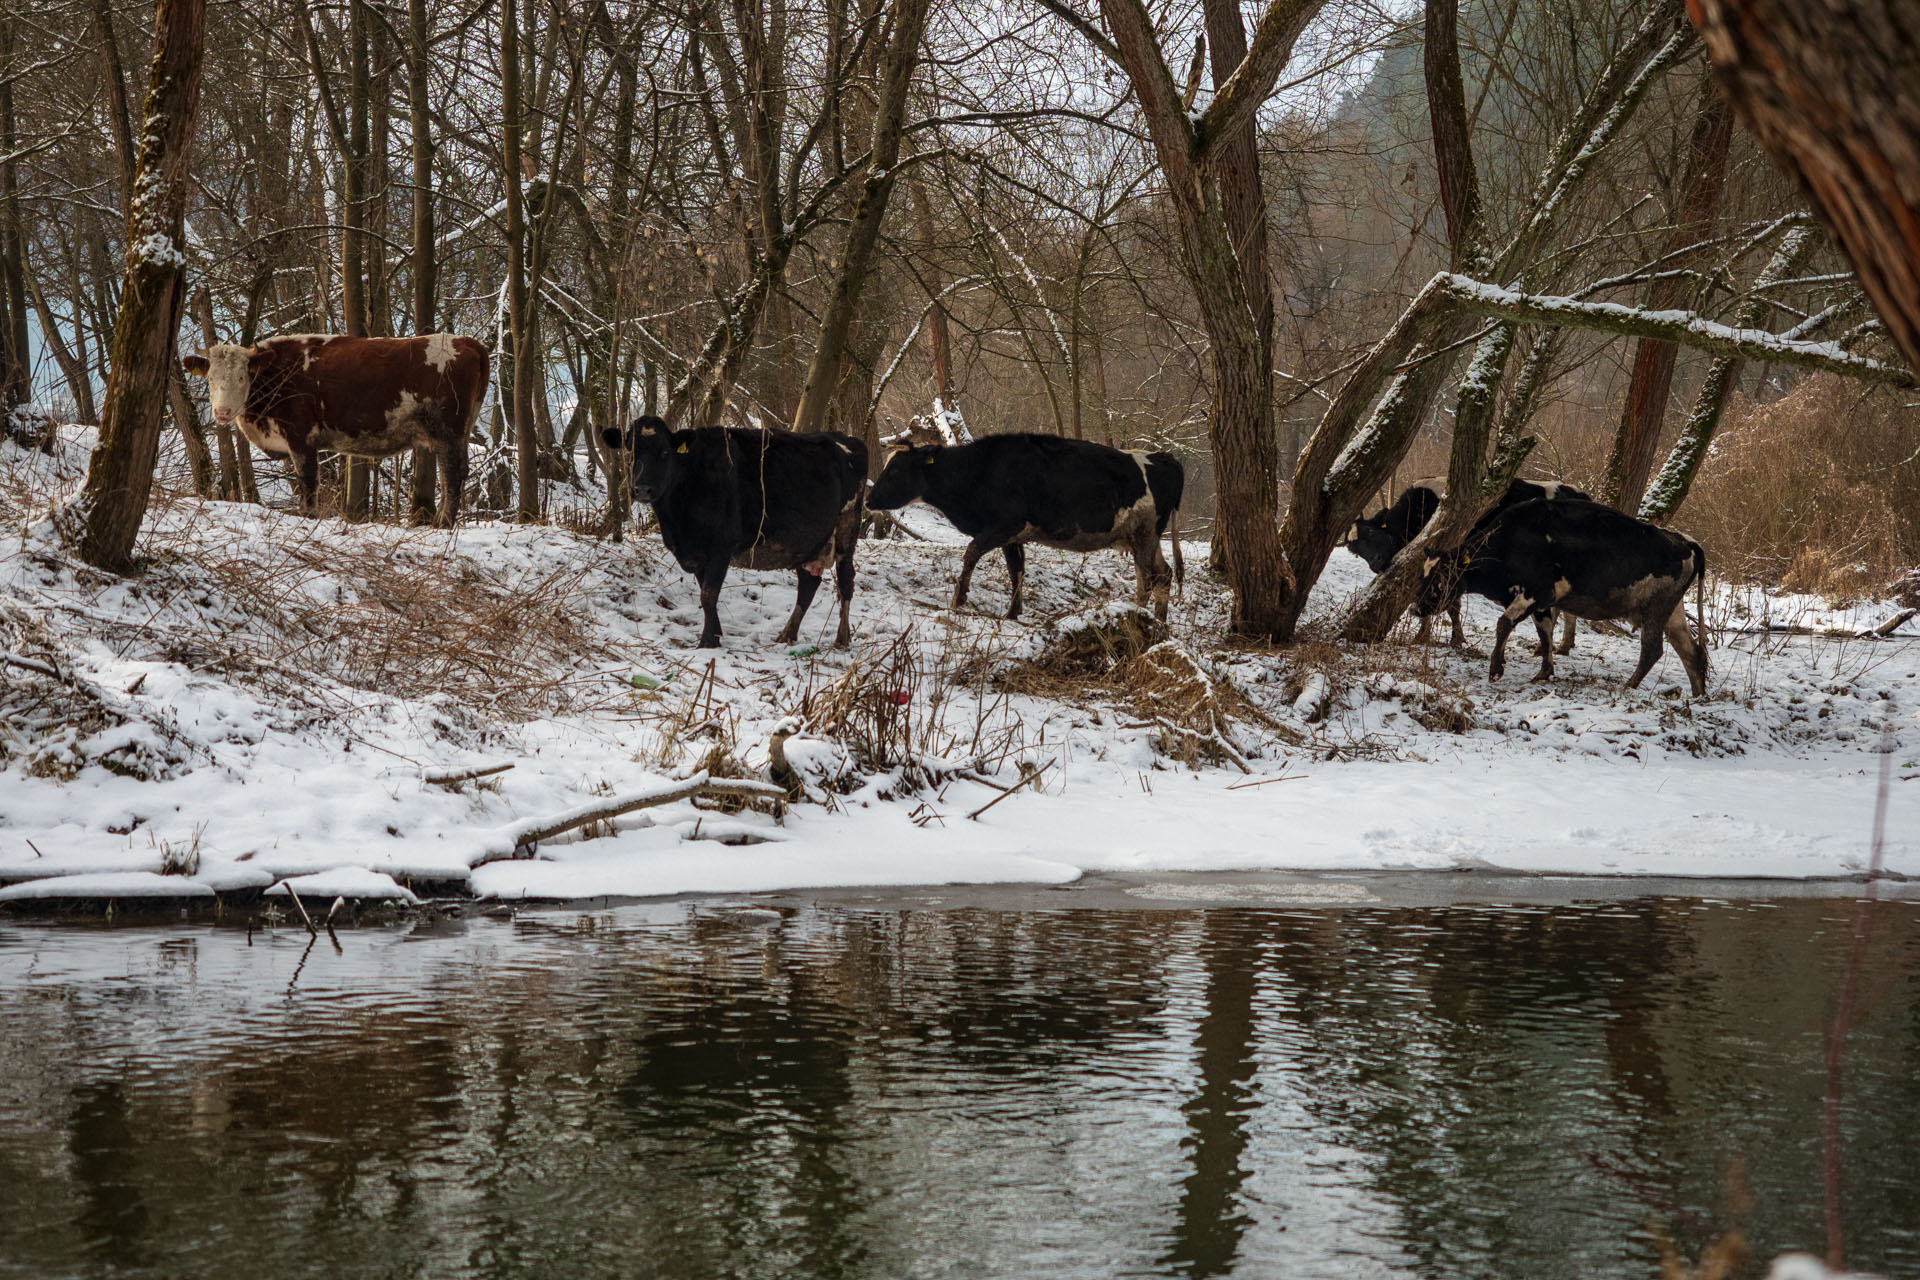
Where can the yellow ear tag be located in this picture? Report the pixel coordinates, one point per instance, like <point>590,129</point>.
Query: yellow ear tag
<point>681,449</point>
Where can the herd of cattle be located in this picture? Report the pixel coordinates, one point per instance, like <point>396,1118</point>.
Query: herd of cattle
<point>771,499</point>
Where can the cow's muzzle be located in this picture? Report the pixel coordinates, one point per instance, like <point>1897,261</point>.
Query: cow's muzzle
<point>223,416</point>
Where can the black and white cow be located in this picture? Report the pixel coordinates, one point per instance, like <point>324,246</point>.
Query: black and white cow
<point>756,499</point>
<point>1589,561</point>
<point>1008,490</point>
<point>1378,538</point>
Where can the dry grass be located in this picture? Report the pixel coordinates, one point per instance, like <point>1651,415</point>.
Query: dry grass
<point>907,705</point>
<point>1813,492</point>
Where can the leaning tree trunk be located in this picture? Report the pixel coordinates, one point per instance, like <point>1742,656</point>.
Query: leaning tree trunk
<point>104,520</point>
<point>869,210</point>
<point>1645,411</point>
<point>1827,88</point>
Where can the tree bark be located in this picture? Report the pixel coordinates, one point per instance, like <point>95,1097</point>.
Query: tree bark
<point>1645,411</point>
<point>104,521</point>
<point>1826,86</point>
<point>16,351</point>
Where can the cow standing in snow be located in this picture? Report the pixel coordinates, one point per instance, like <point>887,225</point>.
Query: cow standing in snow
<point>755,499</point>
<point>365,397</point>
<point>1587,560</point>
<point>1378,538</point>
<point>1008,490</point>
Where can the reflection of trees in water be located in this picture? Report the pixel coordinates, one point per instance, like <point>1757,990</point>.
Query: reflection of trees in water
<point>1211,1219</point>
<point>106,1165</point>
<point>1461,1048</point>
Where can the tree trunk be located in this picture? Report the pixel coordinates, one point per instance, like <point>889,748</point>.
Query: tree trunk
<point>119,117</point>
<point>16,352</point>
<point>1240,424</point>
<point>353,241</point>
<point>1827,88</point>
<point>1690,450</point>
<point>72,367</point>
<point>938,338</point>
<point>526,445</point>
<point>421,499</point>
<point>104,521</point>
<point>1652,383</point>
<point>908,20</point>
<point>192,434</point>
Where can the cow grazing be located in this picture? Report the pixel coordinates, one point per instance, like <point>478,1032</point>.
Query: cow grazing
<point>1008,490</point>
<point>365,397</point>
<point>1589,561</point>
<point>756,499</point>
<point>1378,538</point>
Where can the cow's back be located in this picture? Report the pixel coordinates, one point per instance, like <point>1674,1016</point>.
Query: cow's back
<point>784,493</point>
<point>381,395</point>
<point>1597,551</point>
<point>1054,485</point>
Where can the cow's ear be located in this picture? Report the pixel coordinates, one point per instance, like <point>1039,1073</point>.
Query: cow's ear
<point>195,365</point>
<point>613,437</point>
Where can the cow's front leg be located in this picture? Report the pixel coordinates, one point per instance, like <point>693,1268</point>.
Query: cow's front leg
<point>975,549</point>
<point>1016,578</point>
<point>1458,639</point>
<point>1543,624</point>
<point>1497,666</point>
<point>711,578</point>
<point>807,582</point>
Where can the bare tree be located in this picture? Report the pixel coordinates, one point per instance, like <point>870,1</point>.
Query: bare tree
<point>104,520</point>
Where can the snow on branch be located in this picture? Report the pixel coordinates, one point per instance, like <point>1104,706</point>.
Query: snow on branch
<point>1687,328</point>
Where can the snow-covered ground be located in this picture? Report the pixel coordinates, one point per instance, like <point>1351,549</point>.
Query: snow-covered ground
<point>267,699</point>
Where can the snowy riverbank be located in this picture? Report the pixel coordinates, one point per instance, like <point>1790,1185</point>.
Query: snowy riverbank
<point>269,699</point>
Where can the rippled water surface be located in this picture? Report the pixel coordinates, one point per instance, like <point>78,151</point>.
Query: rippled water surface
<point>1341,1091</point>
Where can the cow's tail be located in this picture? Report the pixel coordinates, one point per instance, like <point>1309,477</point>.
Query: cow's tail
<point>1700,594</point>
<point>1179,561</point>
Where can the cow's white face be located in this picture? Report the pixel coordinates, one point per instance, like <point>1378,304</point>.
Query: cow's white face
<point>229,378</point>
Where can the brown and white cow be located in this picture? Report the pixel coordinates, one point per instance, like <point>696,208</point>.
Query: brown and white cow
<point>365,397</point>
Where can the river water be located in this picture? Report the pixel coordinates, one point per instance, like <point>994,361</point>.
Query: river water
<point>937,1087</point>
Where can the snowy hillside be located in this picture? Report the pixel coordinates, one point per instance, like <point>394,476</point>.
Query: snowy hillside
<point>275,696</point>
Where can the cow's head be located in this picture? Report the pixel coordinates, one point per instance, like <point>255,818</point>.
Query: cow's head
<point>652,445</point>
<point>904,478</point>
<point>1370,540</point>
<point>229,371</point>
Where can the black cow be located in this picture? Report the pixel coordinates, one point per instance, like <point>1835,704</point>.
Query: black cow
<point>756,499</point>
<point>1378,538</point>
<point>1007,490</point>
<point>1589,561</point>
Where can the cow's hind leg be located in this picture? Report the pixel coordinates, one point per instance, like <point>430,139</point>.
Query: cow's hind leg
<point>1152,578</point>
<point>711,579</point>
<point>453,483</point>
<point>1566,634</point>
<point>1543,624</point>
<point>1693,655</point>
<point>1016,578</point>
<point>843,579</point>
<point>1458,638</point>
<point>806,583</point>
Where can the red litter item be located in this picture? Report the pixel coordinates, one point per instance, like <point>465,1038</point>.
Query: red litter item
<point>901,697</point>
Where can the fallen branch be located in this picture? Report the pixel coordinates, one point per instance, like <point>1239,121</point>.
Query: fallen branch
<point>449,777</point>
<point>34,665</point>
<point>1037,773</point>
<point>519,839</point>
<point>1261,782</point>
<point>1892,624</point>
